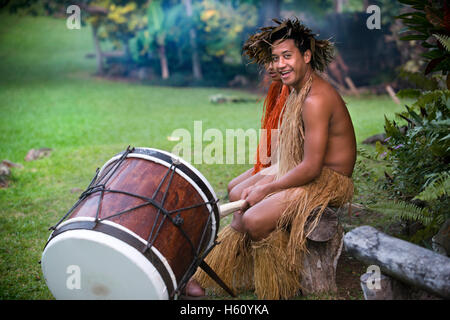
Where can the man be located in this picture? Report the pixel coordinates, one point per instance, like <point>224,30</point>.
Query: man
<point>263,247</point>
<point>273,105</point>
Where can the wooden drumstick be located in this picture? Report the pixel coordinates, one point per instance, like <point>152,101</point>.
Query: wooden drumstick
<point>230,207</point>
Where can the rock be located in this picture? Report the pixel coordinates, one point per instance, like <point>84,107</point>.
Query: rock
<point>75,190</point>
<point>145,73</point>
<point>238,81</point>
<point>35,154</point>
<point>218,98</point>
<point>441,241</point>
<point>388,288</point>
<point>5,172</point>
<point>11,164</point>
<point>373,139</point>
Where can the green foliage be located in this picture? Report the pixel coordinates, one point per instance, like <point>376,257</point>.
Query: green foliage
<point>35,7</point>
<point>122,22</point>
<point>419,150</point>
<point>426,144</point>
<point>368,184</point>
<point>222,27</point>
<point>318,8</point>
<point>444,40</point>
<point>428,18</point>
<point>436,186</point>
<point>401,210</point>
<point>420,157</point>
<point>150,29</point>
<point>418,80</point>
<point>163,25</point>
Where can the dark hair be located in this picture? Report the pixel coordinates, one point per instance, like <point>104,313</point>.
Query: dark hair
<point>258,47</point>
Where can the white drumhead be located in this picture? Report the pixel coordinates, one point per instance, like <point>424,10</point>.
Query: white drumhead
<point>85,264</point>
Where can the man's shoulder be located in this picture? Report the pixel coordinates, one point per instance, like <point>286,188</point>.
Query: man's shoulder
<point>323,95</point>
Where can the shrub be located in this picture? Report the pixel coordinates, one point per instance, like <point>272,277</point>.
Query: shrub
<point>420,157</point>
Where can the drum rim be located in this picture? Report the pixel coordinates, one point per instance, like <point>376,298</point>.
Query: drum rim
<point>138,152</point>
<point>112,242</point>
<point>155,254</point>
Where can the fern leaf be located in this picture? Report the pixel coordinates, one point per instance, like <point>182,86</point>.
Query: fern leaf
<point>402,210</point>
<point>435,187</point>
<point>444,40</point>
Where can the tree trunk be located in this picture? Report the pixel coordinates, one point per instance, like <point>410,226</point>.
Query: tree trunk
<point>324,246</point>
<point>163,61</point>
<point>365,5</point>
<point>338,6</point>
<point>98,51</point>
<point>126,46</point>
<point>400,259</point>
<point>196,66</point>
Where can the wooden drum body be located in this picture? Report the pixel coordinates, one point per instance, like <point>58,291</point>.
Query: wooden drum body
<point>139,231</point>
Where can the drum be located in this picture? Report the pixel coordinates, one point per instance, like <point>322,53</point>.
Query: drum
<point>139,231</point>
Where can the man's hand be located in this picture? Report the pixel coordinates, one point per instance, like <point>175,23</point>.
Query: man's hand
<point>254,194</point>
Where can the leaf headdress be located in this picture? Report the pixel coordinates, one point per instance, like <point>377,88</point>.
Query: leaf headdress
<point>258,47</point>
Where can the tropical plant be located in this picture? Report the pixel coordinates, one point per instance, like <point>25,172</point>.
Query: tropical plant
<point>420,157</point>
<point>222,29</point>
<point>429,22</point>
<point>418,149</point>
<point>120,23</point>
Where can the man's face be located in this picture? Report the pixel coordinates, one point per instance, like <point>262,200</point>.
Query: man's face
<point>274,75</point>
<point>289,62</point>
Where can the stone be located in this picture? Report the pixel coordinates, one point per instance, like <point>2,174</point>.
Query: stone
<point>35,154</point>
<point>5,172</point>
<point>11,164</point>
<point>375,138</point>
<point>441,241</point>
<point>389,288</point>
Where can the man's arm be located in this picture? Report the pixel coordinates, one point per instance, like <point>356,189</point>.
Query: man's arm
<point>316,117</point>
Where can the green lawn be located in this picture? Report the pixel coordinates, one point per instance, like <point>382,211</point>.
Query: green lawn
<point>49,98</point>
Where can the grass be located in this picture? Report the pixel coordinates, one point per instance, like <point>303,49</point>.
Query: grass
<point>49,98</point>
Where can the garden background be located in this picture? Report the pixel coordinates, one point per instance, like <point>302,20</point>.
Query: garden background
<point>136,71</point>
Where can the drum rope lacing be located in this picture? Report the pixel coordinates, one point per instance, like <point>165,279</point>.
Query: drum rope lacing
<point>177,220</point>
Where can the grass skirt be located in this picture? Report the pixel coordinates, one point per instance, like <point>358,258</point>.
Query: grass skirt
<point>232,260</point>
<point>273,266</point>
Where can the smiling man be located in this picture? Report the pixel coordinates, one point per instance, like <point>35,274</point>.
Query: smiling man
<point>263,247</point>
<point>273,105</point>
